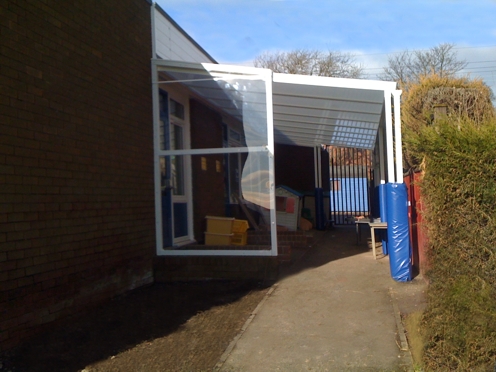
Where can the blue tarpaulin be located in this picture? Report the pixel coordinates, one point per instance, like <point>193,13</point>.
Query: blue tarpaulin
<point>398,232</point>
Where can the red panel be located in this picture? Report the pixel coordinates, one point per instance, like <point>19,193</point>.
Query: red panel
<point>418,238</point>
<point>290,205</point>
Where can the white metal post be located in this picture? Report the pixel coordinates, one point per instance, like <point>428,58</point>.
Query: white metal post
<point>389,136</point>
<point>397,136</point>
<point>382,153</point>
<point>270,147</point>
<point>156,161</point>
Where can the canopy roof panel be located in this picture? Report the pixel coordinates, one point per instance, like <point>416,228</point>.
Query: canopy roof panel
<point>314,110</point>
<point>307,110</point>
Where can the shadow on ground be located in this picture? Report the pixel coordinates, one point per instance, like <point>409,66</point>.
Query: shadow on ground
<point>333,244</point>
<point>168,327</point>
<point>141,318</point>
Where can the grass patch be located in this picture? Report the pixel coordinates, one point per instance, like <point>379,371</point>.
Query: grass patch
<point>413,325</point>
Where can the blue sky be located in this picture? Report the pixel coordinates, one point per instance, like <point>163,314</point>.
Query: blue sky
<point>236,31</point>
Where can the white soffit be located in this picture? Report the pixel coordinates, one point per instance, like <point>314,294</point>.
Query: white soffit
<point>313,110</point>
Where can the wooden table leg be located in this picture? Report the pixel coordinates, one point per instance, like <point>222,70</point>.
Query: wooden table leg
<point>356,229</point>
<point>372,233</point>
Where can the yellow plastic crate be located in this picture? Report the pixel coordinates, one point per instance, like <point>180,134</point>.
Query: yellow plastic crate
<point>239,238</point>
<point>218,239</point>
<point>239,226</point>
<point>219,225</point>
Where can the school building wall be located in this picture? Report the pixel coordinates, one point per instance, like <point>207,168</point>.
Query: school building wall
<point>298,173</point>
<point>208,181</point>
<point>76,158</point>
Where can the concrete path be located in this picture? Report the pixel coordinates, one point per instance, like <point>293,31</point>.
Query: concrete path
<point>334,309</point>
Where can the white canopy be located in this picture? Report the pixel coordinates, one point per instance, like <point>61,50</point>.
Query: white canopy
<point>306,110</point>
<point>274,108</point>
<point>311,110</point>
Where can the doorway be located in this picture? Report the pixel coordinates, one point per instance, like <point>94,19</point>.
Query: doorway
<point>175,179</point>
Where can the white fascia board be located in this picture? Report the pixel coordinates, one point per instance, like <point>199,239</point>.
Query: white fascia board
<point>334,82</point>
<point>281,78</point>
<point>211,67</point>
<point>235,69</point>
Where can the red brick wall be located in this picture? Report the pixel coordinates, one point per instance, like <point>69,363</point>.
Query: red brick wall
<point>186,268</point>
<point>76,158</point>
<point>208,185</point>
<point>297,174</point>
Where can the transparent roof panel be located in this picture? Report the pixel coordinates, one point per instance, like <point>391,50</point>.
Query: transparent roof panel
<point>309,115</point>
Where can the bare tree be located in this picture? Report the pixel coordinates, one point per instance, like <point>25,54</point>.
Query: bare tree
<point>408,66</point>
<point>311,62</point>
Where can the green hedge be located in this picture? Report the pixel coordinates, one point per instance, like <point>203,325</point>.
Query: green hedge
<point>466,97</point>
<point>459,194</point>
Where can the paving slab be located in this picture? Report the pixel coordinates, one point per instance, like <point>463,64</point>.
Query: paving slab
<point>334,309</point>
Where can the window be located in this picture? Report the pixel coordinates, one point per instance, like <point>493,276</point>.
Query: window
<point>176,109</point>
<point>234,137</point>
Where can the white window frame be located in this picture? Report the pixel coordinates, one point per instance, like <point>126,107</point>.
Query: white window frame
<point>183,99</point>
<point>266,76</point>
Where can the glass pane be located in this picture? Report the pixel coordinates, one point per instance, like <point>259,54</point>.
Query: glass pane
<point>177,165</point>
<point>164,121</point>
<point>177,171</point>
<point>176,109</point>
<point>166,202</point>
<point>241,98</point>
<point>245,198</point>
<point>235,163</point>
<point>228,114</point>
<point>180,220</point>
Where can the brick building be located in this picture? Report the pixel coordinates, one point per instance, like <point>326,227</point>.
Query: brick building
<point>76,158</point>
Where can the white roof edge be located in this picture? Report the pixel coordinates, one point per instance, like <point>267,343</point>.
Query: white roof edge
<point>334,82</point>
<point>214,67</point>
<point>323,81</point>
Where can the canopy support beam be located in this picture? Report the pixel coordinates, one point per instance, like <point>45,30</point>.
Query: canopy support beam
<point>389,137</point>
<point>397,136</point>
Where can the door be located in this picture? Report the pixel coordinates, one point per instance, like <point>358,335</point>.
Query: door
<point>176,224</point>
<point>179,195</point>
